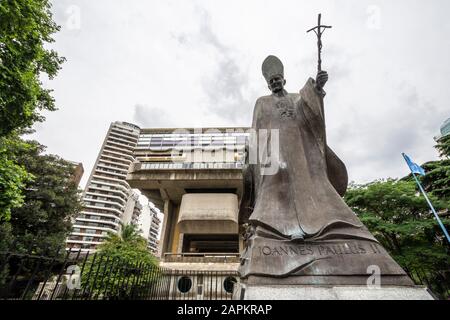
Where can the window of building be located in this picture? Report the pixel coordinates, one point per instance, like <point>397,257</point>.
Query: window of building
<point>228,284</point>
<point>214,243</point>
<point>184,284</point>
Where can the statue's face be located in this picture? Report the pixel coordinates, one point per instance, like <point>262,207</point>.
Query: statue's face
<point>276,83</point>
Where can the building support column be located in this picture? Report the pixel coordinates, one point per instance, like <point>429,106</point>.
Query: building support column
<point>164,244</point>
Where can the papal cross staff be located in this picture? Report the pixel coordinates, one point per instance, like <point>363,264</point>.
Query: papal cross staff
<point>318,30</point>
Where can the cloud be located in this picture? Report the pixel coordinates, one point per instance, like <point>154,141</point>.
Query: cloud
<point>372,143</point>
<point>197,63</point>
<point>150,117</point>
<point>223,87</point>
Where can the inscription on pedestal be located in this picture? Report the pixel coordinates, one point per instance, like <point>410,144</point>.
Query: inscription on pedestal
<point>344,248</point>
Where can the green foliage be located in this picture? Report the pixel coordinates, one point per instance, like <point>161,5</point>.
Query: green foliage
<point>437,178</point>
<point>51,199</point>
<point>25,27</point>
<point>126,258</point>
<point>13,176</point>
<point>443,146</point>
<point>399,217</point>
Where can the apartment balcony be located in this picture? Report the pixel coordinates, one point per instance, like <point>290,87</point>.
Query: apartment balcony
<point>110,166</point>
<point>103,222</point>
<point>85,234</point>
<point>117,149</point>
<point>107,160</point>
<point>113,181</point>
<point>111,203</point>
<point>125,132</point>
<point>111,186</point>
<point>121,137</point>
<point>81,225</point>
<point>115,175</point>
<point>115,159</point>
<point>83,242</point>
<point>117,155</point>
<point>109,196</point>
<point>100,215</point>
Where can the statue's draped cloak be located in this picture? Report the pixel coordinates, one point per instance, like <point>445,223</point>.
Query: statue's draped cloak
<point>303,198</point>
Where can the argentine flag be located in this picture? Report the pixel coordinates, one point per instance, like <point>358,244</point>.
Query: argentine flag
<point>415,168</point>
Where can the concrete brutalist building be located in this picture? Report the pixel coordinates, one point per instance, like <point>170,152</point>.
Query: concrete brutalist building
<point>194,177</point>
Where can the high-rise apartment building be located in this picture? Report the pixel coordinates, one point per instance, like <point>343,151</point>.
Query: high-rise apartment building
<point>108,198</point>
<point>133,210</point>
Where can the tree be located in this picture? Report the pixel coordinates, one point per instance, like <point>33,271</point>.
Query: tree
<point>13,176</point>
<point>401,220</point>
<point>443,146</point>
<point>51,199</point>
<point>126,258</point>
<point>437,178</point>
<point>25,27</point>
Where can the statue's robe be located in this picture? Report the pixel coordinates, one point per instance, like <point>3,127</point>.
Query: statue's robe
<point>300,229</point>
<point>303,199</point>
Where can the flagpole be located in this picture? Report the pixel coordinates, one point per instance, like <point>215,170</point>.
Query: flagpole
<point>429,203</point>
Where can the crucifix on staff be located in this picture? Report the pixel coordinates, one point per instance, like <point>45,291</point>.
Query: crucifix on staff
<point>322,76</point>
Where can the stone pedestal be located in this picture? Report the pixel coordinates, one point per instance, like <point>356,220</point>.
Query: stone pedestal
<point>339,269</point>
<point>311,292</point>
<point>334,261</point>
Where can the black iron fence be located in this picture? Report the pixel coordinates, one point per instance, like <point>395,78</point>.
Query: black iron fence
<point>438,282</point>
<point>79,275</point>
<point>82,276</point>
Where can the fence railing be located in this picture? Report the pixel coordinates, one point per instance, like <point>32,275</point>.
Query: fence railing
<point>82,276</point>
<point>438,282</point>
<point>202,257</point>
<point>79,275</point>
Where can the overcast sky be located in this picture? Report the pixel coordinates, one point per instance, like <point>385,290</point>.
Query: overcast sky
<point>198,63</point>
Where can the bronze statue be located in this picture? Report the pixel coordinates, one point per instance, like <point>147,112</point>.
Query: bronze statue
<point>298,223</point>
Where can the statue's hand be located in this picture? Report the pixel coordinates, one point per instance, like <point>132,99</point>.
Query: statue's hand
<point>321,79</point>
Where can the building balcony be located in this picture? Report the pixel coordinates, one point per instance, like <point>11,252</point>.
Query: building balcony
<point>85,234</point>
<point>115,159</point>
<point>111,203</point>
<point>115,175</point>
<point>87,220</point>
<point>114,137</point>
<point>83,242</point>
<point>122,137</point>
<point>125,132</point>
<point>100,215</point>
<point>114,181</point>
<point>107,160</point>
<point>81,225</point>
<point>187,165</point>
<point>109,166</point>
<point>122,151</point>
<point>112,186</point>
<point>114,198</point>
<point>116,155</point>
